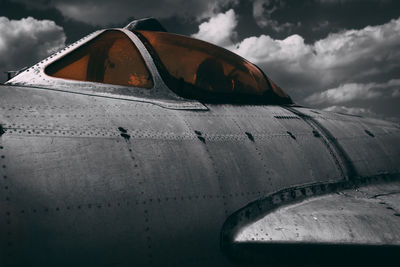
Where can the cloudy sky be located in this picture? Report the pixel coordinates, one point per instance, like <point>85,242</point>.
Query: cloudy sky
<point>337,55</point>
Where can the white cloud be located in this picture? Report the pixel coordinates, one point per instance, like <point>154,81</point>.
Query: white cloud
<point>357,68</point>
<point>354,91</point>
<point>351,111</point>
<point>219,29</point>
<point>352,56</point>
<point>342,49</point>
<point>344,67</point>
<point>26,41</point>
<point>265,49</point>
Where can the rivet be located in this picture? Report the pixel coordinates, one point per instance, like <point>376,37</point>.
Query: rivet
<point>291,135</point>
<point>250,136</point>
<point>369,133</point>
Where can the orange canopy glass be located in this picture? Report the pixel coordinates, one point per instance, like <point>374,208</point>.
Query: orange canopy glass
<point>110,58</point>
<point>196,69</point>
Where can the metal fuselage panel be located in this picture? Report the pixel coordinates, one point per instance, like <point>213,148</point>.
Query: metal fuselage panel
<point>372,145</point>
<point>88,180</point>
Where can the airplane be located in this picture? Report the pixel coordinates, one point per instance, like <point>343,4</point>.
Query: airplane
<point>138,147</point>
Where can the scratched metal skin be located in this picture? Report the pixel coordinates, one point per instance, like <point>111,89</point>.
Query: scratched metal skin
<point>351,211</point>
<point>99,175</point>
<point>94,181</point>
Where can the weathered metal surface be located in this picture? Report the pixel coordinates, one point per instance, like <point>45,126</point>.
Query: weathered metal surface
<point>347,223</point>
<point>98,181</point>
<point>159,95</point>
<point>371,144</point>
<point>94,174</point>
<point>352,216</point>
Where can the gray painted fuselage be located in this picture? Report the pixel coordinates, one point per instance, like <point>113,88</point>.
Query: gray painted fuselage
<point>89,180</point>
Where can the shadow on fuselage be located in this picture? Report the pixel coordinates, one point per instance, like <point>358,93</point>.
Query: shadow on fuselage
<point>286,254</point>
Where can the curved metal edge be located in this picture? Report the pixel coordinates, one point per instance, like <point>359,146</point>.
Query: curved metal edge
<point>288,196</point>
<point>340,157</point>
<point>160,94</point>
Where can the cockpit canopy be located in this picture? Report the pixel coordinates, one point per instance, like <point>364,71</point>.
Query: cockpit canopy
<point>199,70</point>
<point>191,68</point>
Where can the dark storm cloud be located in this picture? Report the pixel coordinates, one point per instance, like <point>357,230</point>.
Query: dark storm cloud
<point>263,11</point>
<point>315,19</point>
<point>105,12</point>
<point>312,19</point>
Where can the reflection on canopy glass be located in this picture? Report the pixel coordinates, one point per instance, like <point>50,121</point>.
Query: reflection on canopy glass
<point>110,58</point>
<point>198,69</point>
